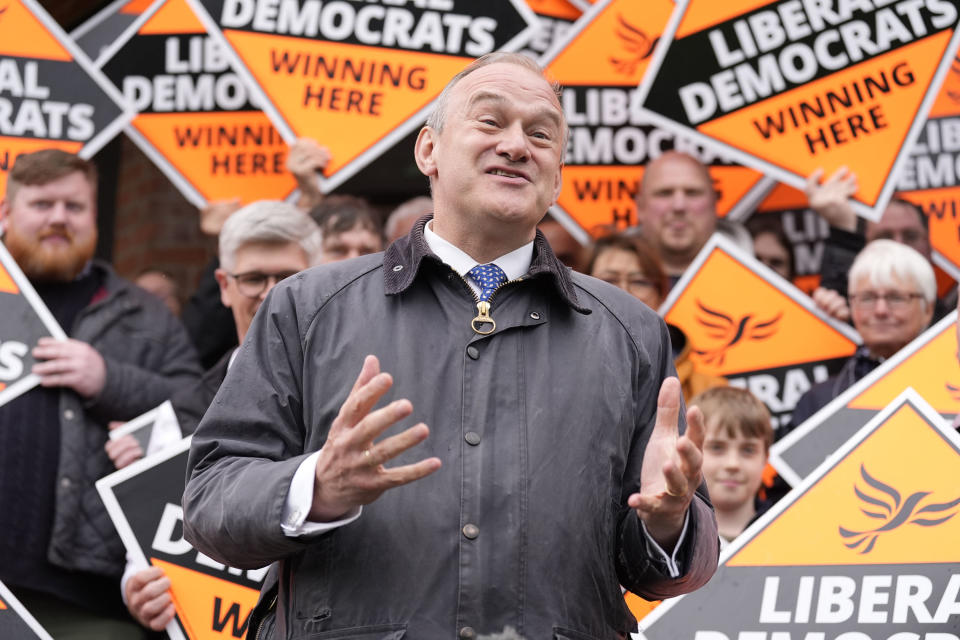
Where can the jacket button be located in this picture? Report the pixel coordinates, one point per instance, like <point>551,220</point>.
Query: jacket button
<point>398,268</point>
<point>68,414</point>
<point>65,482</point>
<point>472,437</point>
<point>467,633</point>
<point>534,315</point>
<point>473,352</point>
<point>471,531</point>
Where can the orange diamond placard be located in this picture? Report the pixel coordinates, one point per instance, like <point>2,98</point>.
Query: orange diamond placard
<point>212,601</point>
<point>50,93</point>
<point>930,178</point>
<point>866,543</point>
<point>357,77</point>
<point>600,62</point>
<point>196,117</point>
<point>786,89</point>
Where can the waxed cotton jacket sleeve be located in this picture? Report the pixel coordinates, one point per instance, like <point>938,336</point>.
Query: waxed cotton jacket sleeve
<point>639,571</point>
<point>245,452</point>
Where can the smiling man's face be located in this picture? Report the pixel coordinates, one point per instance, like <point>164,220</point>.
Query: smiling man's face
<point>496,162</point>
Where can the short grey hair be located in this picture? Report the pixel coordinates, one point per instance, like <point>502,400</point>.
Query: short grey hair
<point>270,222</point>
<point>883,260</point>
<point>438,116</point>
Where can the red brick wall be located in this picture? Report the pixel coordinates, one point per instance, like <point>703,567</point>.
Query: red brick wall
<point>154,225</point>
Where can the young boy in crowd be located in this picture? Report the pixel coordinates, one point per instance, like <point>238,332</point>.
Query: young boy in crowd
<point>735,452</point>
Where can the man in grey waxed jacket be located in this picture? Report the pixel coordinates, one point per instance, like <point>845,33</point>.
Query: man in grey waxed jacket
<point>551,471</point>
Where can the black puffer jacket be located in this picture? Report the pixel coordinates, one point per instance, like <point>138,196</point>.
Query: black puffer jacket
<point>148,356</point>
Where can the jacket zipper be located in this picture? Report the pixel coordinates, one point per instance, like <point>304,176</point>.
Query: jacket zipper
<point>483,307</point>
<point>263,620</point>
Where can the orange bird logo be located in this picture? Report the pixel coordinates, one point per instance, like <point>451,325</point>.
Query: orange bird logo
<point>730,332</point>
<point>637,44</point>
<point>888,506</point>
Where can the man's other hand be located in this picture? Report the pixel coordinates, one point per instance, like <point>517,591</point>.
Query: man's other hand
<point>123,451</point>
<point>70,363</point>
<point>148,598</point>
<point>670,473</point>
<point>831,303</point>
<point>831,198</point>
<point>350,470</point>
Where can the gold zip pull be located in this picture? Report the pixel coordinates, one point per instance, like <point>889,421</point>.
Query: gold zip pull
<point>483,318</point>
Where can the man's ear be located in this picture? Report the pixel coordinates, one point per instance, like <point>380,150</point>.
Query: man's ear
<point>221,276</point>
<point>4,216</point>
<point>558,185</point>
<point>423,152</point>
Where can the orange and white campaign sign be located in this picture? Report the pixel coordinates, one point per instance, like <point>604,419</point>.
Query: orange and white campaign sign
<point>24,319</point>
<point>50,93</point>
<point>554,18</point>
<point>212,601</point>
<point>930,177</point>
<point>748,324</point>
<point>803,228</point>
<point>196,117</point>
<point>788,87</point>
<point>600,62</point>
<point>864,549</point>
<point>16,621</point>
<point>357,76</point>
<point>928,364</point>
<point>104,27</point>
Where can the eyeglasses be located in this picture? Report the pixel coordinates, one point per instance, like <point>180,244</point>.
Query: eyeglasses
<point>895,300</point>
<point>253,283</point>
<point>633,284</point>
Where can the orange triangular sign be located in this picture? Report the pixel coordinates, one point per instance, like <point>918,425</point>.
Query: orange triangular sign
<point>209,608</point>
<point>7,285</point>
<point>26,36</point>
<point>867,542</point>
<point>790,92</point>
<point>743,320</point>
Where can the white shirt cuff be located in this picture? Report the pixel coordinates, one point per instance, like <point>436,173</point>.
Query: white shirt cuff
<point>654,548</point>
<point>300,499</point>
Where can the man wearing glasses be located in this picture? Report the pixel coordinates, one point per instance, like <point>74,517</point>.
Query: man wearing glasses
<point>260,245</point>
<point>892,295</point>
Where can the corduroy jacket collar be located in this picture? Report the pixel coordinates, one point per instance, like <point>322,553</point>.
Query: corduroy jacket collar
<point>402,261</point>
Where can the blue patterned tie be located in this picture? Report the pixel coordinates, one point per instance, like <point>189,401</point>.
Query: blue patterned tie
<point>488,277</point>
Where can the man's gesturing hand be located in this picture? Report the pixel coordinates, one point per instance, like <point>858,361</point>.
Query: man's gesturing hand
<point>350,469</point>
<point>671,468</point>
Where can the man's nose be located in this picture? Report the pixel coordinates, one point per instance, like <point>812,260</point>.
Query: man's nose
<point>881,306</point>
<point>513,143</point>
<point>678,200</point>
<point>732,460</point>
<point>57,214</point>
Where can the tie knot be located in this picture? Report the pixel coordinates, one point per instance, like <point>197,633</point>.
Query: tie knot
<point>488,277</point>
